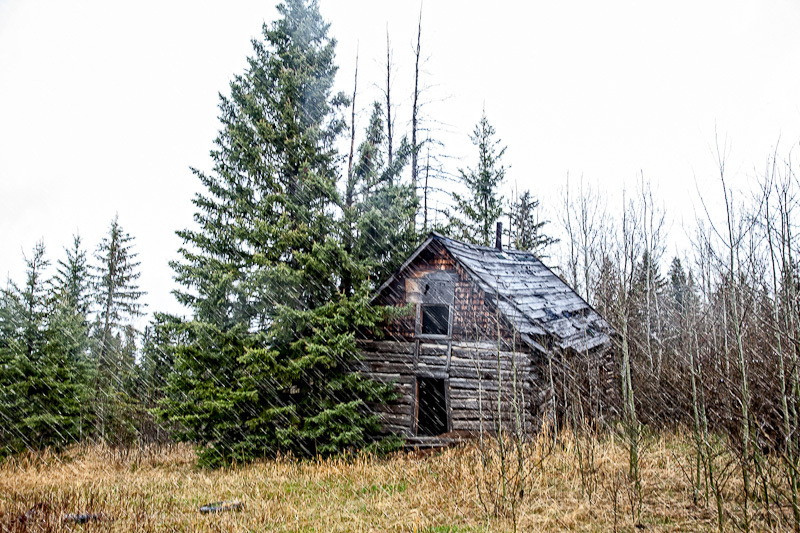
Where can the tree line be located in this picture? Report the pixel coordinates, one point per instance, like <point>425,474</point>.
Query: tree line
<point>68,348</point>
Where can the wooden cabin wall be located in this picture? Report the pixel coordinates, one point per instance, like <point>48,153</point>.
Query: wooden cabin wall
<point>467,359</point>
<point>470,371</point>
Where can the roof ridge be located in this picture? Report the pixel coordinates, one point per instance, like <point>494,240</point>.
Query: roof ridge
<point>480,247</point>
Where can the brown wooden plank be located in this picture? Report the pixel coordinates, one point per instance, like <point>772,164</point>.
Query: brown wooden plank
<point>486,364</point>
<point>386,346</point>
<point>433,361</point>
<point>486,374</point>
<point>396,420</point>
<point>394,408</point>
<point>472,383</point>
<point>472,404</point>
<point>390,368</point>
<point>397,429</point>
<point>471,345</point>
<point>433,349</point>
<point>388,357</point>
<point>471,425</point>
<point>400,380</point>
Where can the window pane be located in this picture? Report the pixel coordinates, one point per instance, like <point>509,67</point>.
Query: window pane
<point>435,319</point>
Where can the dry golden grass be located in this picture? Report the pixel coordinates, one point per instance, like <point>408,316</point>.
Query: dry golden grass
<point>161,490</point>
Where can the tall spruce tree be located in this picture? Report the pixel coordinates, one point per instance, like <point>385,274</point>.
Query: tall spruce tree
<point>68,335</point>
<point>23,388</point>
<point>262,366</point>
<point>477,211</point>
<point>117,295</point>
<point>41,388</point>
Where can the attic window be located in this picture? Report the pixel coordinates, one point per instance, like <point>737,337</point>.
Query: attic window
<point>434,319</point>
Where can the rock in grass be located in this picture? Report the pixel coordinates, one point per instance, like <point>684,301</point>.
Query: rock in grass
<point>83,517</point>
<point>218,507</point>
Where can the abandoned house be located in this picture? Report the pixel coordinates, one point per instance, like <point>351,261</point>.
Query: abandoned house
<point>484,330</point>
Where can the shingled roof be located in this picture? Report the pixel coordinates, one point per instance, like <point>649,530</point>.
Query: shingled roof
<point>530,295</point>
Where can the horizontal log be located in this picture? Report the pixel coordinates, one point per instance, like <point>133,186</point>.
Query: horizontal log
<point>385,377</point>
<point>486,374</point>
<point>431,369</point>
<point>472,345</point>
<point>460,362</point>
<point>508,422</point>
<point>474,354</point>
<point>487,385</point>
<point>471,425</point>
<point>466,394</point>
<point>386,346</point>
<point>398,430</point>
<point>440,360</point>
<point>391,368</point>
<point>433,349</point>
<point>387,357</point>
<point>472,404</point>
<point>397,420</point>
<point>394,408</point>
<point>488,426</point>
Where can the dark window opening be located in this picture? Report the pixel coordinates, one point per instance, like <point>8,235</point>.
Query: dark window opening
<point>432,407</point>
<point>435,319</point>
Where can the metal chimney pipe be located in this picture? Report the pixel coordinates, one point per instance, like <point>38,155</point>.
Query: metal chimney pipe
<point>498,241</point>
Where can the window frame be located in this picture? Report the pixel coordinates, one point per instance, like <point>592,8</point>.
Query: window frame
<point>433,336</point>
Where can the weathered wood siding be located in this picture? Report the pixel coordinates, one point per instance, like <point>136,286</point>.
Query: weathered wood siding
<point>470,371</point>
<point>473,318</point>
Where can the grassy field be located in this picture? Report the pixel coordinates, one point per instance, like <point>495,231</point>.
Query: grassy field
<point>161,490</point>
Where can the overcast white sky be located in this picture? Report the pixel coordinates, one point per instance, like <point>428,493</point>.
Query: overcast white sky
<point>105,105</point>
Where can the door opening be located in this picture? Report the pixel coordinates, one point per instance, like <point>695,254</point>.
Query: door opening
<point>432,407</point>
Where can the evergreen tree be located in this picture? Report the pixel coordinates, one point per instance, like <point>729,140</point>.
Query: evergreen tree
<point>678,285</point>
<point>69,329</point>
<point>33,298</point>
<point>24,392</point>
<point>481,207</point>
<point>116,295</point>
<point>157,361</point>
<point>378,234</point>
<point>60,393</point>
<point>648,272</point>
<point>262,273</point>
<point>12,399</point>
<point>40,384</point>
<point>73,276</point>
<point>525,230</point>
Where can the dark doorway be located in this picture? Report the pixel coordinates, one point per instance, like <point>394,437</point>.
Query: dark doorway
<point>432,413</point>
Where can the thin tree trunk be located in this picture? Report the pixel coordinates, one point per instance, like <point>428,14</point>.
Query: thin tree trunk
<point>389,96</point>
<point>414,118</point>
<point>425,194</point>
<point>744,389</point>
<point>353,123</point>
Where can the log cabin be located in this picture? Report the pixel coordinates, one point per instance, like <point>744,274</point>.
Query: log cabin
<point>476,348</point>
